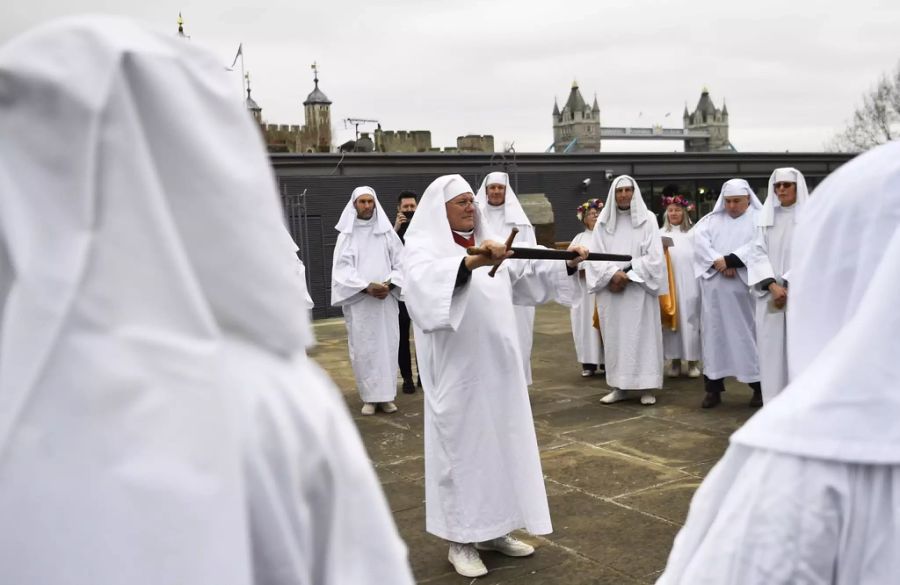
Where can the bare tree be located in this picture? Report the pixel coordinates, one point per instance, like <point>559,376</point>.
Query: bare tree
<point>875,122</point>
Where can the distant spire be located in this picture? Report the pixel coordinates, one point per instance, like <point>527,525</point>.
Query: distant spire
<point>555,107</point>
<point>686,113</point>
<point>181,27</point>
<point>724,108</point>
<point>705,89</point>
<point>596,106</point>
<point>574,84</point>
<point>315,69</point>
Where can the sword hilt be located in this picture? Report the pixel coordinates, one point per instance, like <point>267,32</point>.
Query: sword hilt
<point>509,241</point>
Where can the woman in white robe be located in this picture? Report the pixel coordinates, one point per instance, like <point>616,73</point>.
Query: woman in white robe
<point>767,275</point>
<point>588,344</point>
<point>483,474</point>
<point>154,393</point>
<point>501,219</point>
<point>368,252</point>
<point>808,490</point>
<point>684,342</point>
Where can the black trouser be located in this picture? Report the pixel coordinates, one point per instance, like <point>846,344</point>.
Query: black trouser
<point>403,358</point>
<point>719,385</point>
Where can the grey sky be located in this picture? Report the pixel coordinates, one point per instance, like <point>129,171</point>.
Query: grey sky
<point>791,71</point>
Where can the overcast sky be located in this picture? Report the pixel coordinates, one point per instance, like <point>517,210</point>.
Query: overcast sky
<point>790,71</point>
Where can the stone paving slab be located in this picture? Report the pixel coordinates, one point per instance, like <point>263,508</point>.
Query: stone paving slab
<point>619,477</point>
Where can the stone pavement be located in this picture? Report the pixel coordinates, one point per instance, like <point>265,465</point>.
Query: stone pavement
<point>619,477</point>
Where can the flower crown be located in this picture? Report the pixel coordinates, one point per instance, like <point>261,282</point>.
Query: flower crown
<point>589,204</point>
<point>678,200</point>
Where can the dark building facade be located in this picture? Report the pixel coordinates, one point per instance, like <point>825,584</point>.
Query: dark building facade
<point>316,187</point>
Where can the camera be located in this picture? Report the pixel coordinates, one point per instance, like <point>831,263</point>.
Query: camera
<point>608,174</point>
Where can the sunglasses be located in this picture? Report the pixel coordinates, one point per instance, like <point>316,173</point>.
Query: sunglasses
<point>783,185</point>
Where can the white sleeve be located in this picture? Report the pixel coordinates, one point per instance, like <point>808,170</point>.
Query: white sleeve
<point>346,283</point>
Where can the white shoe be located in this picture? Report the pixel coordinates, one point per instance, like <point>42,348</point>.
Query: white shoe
<point>647,398</point>
<point>614,396</point>
<point>587,373</point>
<point>465,560</point>
<point>388,407</point>
<point>694,371</point>
<point>507,545</point>
<point>368,408</point>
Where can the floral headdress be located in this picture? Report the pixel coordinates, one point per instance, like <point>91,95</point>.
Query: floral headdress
<point>678,200</point>
<point>589,204</point>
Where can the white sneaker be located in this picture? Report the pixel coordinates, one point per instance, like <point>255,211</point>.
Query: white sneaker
<point>614,396</point>
<point>694,371</point>
<point>368,408</point>
<point>465,560</point>
<point>647,398</point>
<point>388,407</point>
<point>507,545</point>
<point>587,373</point>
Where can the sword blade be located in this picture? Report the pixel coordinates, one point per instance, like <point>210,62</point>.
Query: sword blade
<point>547,254</point>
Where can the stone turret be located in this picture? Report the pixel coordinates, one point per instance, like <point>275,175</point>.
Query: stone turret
<point>709,118</point>
<point>577,127</point>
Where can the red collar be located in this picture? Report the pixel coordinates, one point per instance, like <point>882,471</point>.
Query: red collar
<point>463,241</point>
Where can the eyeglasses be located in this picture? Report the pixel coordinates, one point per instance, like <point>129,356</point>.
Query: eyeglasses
<point>462,204</point>
<point>783,185</point>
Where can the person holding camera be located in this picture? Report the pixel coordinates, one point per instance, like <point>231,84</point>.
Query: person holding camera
<point>406,207</point>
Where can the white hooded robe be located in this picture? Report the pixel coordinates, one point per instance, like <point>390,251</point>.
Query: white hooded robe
<point>368,251</point>
<point>727,326</point>
<point>483,474</point>
<point>770,258</point>
<point>154,420</point>
<point>630,320</point>
<point>501,219</point>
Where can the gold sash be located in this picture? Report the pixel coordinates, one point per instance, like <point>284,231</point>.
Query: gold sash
<point>668,306</point>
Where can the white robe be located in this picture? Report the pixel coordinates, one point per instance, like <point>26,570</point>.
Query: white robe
<point>768,518</point>
<point>483,474</point>
<point>146,354</point>
<point>588,345</point>
<point>316,510</point>
<point>498,225</point>
<point>630,320</point>
<point>808,490</point>
<point>727,327</point>
<point>771,259</point>
<point>373,331</point>
<point>684,342</point>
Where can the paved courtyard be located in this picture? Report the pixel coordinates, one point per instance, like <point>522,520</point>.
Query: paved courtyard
<point>619,477</point>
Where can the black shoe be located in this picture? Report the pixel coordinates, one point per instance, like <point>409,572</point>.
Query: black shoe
<point>711,400</point>
<point>408,387</point>
<point>757,400</point>
<point>418,382</point>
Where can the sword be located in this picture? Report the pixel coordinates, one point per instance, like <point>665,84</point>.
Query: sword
<point>546,254</point>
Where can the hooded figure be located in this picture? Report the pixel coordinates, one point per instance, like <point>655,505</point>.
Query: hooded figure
<point>723,245</point>
<point>628,292</point>
<point>152,366</point>
<point>365,281</point>
<point>768,269</point>
<point>483,474</point>
<point>808,489</point>
<point>501,219</point>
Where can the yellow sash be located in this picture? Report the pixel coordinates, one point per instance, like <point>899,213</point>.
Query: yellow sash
<point>668,307</point>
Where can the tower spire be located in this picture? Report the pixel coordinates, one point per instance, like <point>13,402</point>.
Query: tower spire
<point>181,27</point>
